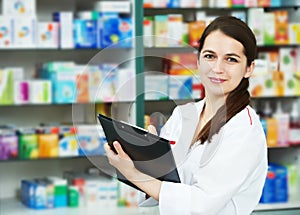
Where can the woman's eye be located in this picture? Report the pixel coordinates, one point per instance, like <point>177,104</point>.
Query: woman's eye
<point>209,56</point>
<point>231,59</point>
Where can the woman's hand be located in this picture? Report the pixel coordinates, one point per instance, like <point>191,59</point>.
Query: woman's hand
<point>120,160</point>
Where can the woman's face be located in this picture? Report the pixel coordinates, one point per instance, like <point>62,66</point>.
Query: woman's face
<point>222,64</point>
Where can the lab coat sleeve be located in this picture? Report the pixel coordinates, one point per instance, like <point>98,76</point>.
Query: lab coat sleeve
<point>215,183</point>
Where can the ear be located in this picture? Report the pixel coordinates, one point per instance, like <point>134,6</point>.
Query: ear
<point>249,70</point>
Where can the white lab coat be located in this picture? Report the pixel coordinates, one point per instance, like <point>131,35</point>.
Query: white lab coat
<point>225,176</point>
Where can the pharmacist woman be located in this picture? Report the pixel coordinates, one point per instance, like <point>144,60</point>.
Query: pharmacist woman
<point>220,148</point>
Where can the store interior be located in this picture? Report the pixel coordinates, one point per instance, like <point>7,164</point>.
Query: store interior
<point>63,62</point>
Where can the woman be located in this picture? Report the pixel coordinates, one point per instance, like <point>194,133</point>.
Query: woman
<point>220,148</point>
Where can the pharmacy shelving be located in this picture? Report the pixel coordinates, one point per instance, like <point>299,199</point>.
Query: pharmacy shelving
<point>34,114</point>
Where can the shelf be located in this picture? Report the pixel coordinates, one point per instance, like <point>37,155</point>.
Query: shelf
<point>278,206</point>
<point>15,207</point>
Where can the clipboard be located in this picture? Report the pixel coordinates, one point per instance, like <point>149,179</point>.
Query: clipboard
<point>150,153</point>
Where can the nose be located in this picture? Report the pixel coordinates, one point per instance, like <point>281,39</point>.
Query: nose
<point>217,66</point>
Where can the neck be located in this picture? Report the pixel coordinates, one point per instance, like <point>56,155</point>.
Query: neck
<point>212,105</point>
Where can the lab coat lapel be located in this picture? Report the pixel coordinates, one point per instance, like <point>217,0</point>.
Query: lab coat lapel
<point>190,117</point>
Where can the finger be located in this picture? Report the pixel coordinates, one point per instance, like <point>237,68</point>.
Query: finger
<point>120,150</point>
<point>108,150</point>
<point>152,129</point>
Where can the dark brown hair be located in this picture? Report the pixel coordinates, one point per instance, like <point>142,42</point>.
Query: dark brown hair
<point>239,98</point>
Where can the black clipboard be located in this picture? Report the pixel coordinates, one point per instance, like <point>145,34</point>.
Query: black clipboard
<point>150,153</point>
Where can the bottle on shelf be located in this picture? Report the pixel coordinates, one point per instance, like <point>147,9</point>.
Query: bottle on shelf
<point>283,125</point>
<point>294,135</point>
<point>271,126</point>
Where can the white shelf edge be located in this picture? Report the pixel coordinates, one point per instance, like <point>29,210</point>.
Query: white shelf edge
<point>278,206</point>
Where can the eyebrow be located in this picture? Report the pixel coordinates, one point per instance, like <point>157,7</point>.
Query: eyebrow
<point>228,54</point>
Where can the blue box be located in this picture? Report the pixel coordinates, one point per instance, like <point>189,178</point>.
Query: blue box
<point>115,31</point>
<point>268,193</point>
<point>85,33</point>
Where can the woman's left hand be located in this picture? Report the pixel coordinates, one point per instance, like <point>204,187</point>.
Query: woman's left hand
<point>120,160</point>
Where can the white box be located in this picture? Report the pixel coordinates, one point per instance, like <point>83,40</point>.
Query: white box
<point>113,6</point>
<point>6,31</point>
<point>175,30</point>
<point>180,87</point>
<point>21,92</point>
<point>19,7</point>
<point>255,22</point>
<point>47,35</point>
<point>126,85</point>
<point>24,32</point>
<point>156,87</point>
<point>40,92</point>
<point>66,34</point>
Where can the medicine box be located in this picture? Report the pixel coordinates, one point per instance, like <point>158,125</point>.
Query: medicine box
<point>28,143</point>
<point>66,33</point>
<point>24,32</point>
<point>67,142</point>
<point>21,92</point>
<point>47,35</point>
<point>8,144</point>
<point>40,92</point>
<point>156,86</point>
<point>19,7</point>
<point>85,33</point>
<point>6,31</point>
<point>180,87</point>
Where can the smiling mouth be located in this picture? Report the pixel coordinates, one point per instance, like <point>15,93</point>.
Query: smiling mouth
<point>217,80</point>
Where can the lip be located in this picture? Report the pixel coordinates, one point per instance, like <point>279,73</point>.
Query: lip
<point>217,80</point>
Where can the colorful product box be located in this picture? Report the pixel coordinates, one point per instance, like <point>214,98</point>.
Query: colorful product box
<point>255,16</point>
<point>6,87</point>
<point>180,64</point>
<point>19,7</point>
<point>67,142</point>
<point>28,144</point>
<point>261,83</point>
<point>294,33</point>
<point>8,144</point>
<point>268,193</point>
<point>115,30</point>
<point>60,191</point>
<point>161,30</point>
<point>21,92</point>
<point>66,33</point>
<point>148,26</point>
<point>156,87</point>
<point>6,31</point>
<point>196,29</point>
<point>94,79</point>
<point>24,32</point>
<point>288,67</point>
<point>198,88</point>
<point>269,28</point>
<point>40,92</point>
<point>47,35</point>
<point>281,183</point>
<point>180,87</point>
<point>107,88</point>
<point>82,83</point>
<point>281,27</point>
<point>90,141</point>
<point>48,142</point>
<point>85,33</point>
<point>175,22</point>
